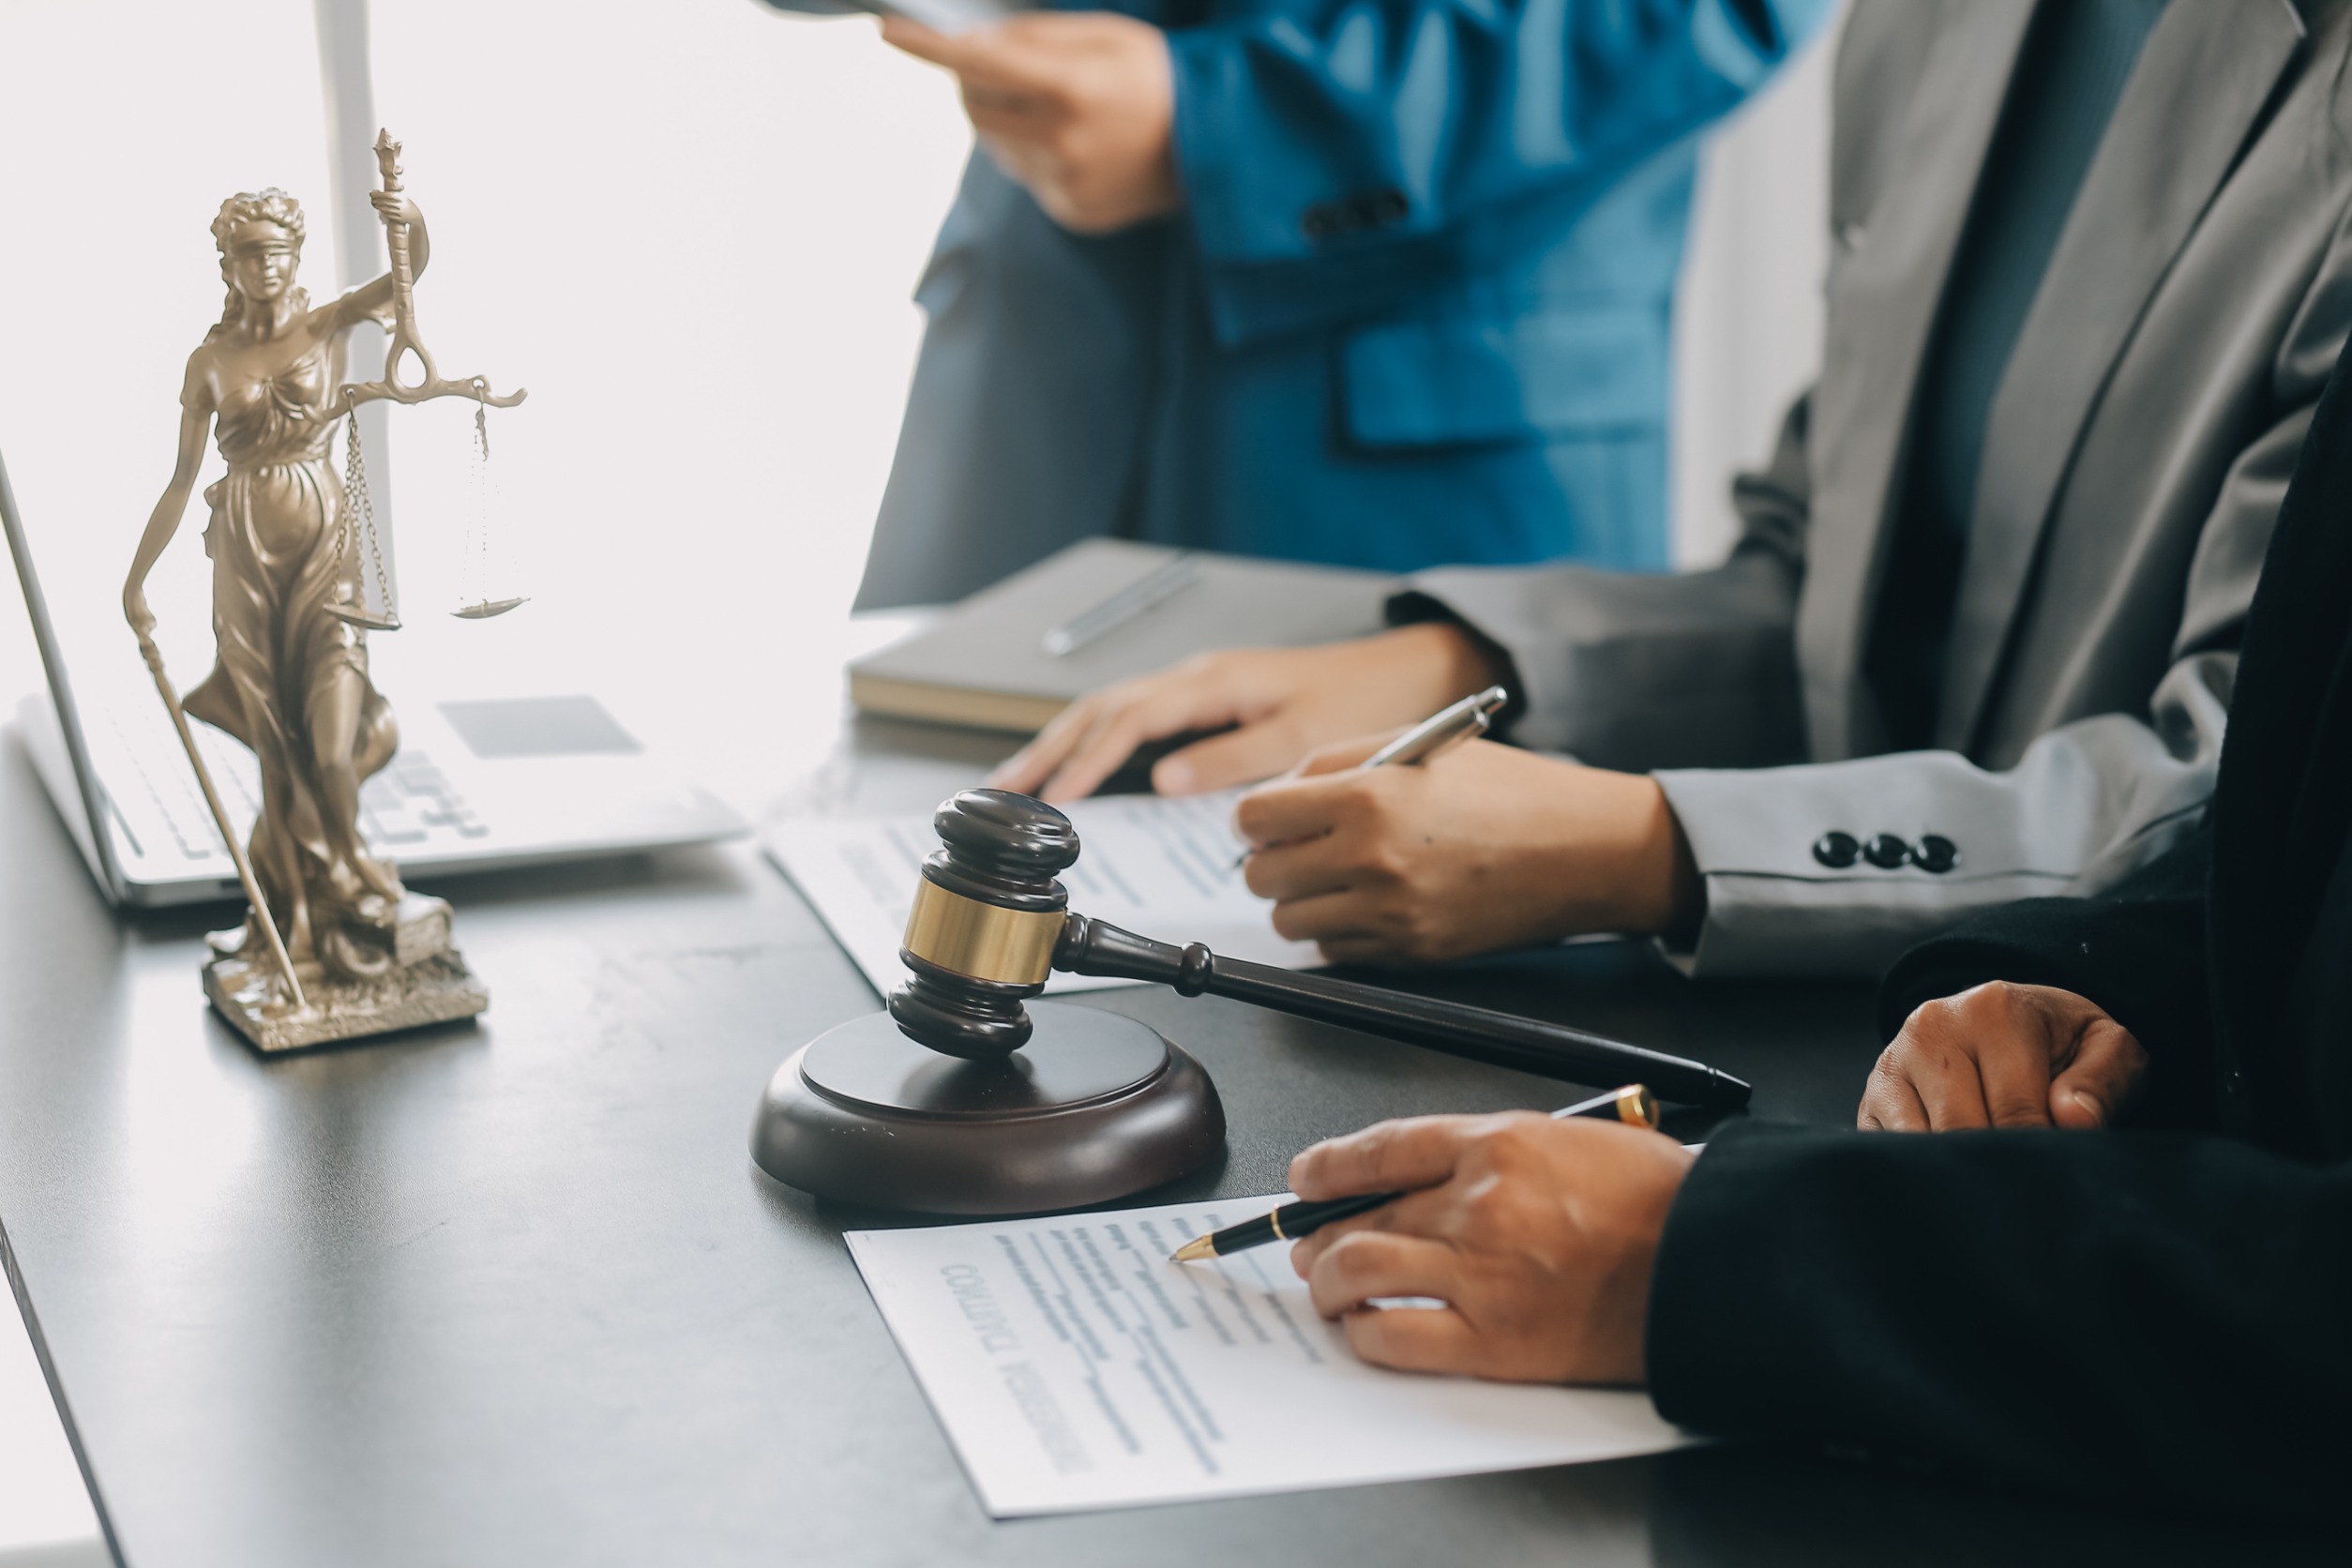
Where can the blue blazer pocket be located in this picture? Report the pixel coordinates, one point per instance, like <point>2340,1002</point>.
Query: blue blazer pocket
<point>1572,368</point>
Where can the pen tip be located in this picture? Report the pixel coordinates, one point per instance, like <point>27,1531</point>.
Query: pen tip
<point>1192,1251</point>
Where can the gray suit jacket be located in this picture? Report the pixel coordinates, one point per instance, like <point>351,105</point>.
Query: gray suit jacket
<point>2132,466</point>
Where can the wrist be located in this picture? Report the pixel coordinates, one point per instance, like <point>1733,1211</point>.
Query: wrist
<point>1601,854</point>
<point>1687,890</point>
<point>1633,1341</point>
<point>1453,661</point>
<point>1660,882</point>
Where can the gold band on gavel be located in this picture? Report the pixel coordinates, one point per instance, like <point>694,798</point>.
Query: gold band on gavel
<point>967,936</point>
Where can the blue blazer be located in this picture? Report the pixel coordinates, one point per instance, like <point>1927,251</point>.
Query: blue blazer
<point>1415,308</point>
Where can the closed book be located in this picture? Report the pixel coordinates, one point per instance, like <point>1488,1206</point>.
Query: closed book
<point>985,662</point>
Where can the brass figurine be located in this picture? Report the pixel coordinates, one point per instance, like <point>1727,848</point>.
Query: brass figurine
<point>334,947</point>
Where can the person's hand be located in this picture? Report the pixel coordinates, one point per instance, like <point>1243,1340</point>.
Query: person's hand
<point>1481,848</point>
<point>1539,1236</point>
<point>1285,700</point>
<point>1077,106</point>
<point>2003,1055</point>
<point>395,207</point>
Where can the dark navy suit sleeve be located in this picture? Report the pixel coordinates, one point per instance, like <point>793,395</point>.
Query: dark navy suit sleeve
<point>2118,1315</point>
<point>1375,122</point>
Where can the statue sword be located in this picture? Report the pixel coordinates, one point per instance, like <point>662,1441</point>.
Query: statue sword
<point>154,656</point>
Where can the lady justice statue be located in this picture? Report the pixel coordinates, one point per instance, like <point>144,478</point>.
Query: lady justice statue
<point>333,948</point>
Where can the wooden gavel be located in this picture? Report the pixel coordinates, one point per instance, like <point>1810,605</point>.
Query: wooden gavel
<point>990,923</point>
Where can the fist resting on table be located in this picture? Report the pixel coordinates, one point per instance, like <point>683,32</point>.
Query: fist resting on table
<point>2004,1055</point>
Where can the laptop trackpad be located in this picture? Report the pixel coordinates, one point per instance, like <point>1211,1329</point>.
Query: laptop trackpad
<point>536,726</point>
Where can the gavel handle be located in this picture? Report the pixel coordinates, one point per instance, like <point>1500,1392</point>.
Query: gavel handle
<point>1091,946</point>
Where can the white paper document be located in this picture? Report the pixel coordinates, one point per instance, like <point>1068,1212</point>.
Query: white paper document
<point>1075,1367</point>
<point>1161,868</point>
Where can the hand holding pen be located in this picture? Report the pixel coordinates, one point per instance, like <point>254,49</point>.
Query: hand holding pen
<point>1632,1105</point>
<point>1433,737</point>
<point>1443,731</point>
<point>1523,1249</point>
<point>1494,847</point>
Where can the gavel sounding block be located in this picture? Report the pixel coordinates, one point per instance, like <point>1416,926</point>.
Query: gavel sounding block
<point>1094,1107</point>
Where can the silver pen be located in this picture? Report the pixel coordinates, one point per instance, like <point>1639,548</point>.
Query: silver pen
<point>1436,735</point>
<point>1443,731</point>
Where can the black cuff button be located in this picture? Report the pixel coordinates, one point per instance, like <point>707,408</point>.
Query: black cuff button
<point>1836,850</point>
<point>1934,852</point>
<point>1886,851</point>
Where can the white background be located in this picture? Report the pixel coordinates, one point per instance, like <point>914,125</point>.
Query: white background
<point>691,229</point>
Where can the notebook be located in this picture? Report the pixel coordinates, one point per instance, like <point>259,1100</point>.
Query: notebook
<point>1128,608</point>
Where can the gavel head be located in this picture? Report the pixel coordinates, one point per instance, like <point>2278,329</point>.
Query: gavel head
<point>987,916</point>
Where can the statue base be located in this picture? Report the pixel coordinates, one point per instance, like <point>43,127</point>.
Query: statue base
<point>425,982</point>
<point>1095,1107</point>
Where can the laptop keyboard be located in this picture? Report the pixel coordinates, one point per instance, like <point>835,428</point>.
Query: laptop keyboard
<point>408,807</point>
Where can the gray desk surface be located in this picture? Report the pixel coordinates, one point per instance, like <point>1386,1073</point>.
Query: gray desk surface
<point>515,1294</point>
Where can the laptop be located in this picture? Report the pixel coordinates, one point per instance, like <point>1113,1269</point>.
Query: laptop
<point>478,784</point>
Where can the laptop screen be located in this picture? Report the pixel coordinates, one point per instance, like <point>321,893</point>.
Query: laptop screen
<point>118,159</point>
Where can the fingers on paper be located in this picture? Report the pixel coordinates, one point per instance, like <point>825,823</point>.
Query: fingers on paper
<point>1344,754</point>
<point>1084,745</point>
<point>1366,1266</point>
<point>1364,1283</point>
<point>1289,811</point>
<point>1302,868</point>
<point>1344,924</point>
<point>1414,1339</point>
<point>1431,1212</point>
<point>1088,741</point>
<point>1027,769</point>
<point>1366,941</point>
<point>1241,756</point>
<point>1108,740</point>
<point>1355,925</point>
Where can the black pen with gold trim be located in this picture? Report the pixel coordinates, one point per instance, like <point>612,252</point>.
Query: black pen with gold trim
<point>1632,1104</point>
